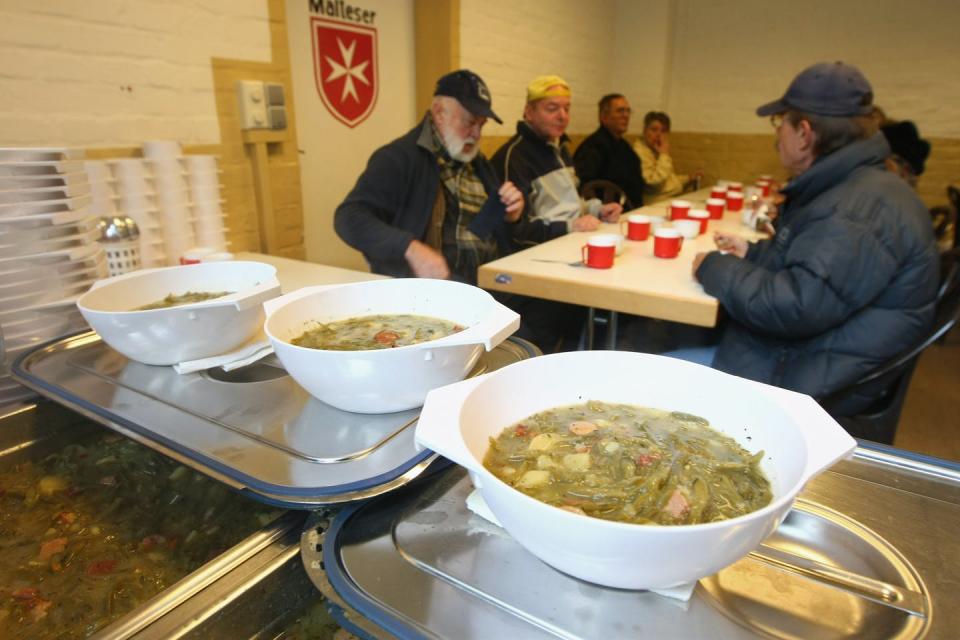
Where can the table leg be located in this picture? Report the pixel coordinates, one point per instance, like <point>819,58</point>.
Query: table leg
<point>591,313</point>
<point>612,331</point>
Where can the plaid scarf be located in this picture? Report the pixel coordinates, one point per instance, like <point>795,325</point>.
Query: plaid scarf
<point>464,195</point>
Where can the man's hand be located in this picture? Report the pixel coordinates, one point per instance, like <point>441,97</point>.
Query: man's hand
<point>663,144</point>
<point>611,211</point>
<point>586,223</point>
<point>425,262</point>
<point>511,197</point>
<point>730,243</point>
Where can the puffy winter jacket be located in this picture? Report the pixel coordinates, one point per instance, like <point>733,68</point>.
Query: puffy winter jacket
<point>848,281</point>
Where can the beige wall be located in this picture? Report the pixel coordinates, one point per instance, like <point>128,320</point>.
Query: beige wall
<point>109,74</point>
<point>332,155</point>
<point>710,64</point>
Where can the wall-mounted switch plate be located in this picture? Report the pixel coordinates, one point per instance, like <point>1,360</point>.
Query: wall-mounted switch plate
<point>253,108</point>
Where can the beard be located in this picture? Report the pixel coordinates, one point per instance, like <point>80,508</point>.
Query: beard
<point>455,144</point>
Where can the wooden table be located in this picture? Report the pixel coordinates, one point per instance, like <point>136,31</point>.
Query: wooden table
<point>638,283</point>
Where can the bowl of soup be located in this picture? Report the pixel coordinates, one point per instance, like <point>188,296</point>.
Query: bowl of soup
<point>380,346</point>
<point>632,470</point>
<point>174,314</point>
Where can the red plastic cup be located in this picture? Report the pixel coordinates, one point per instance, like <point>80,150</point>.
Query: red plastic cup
<point>764,186</point>
<point>715,207</point>
<point>599,251</point>
<point>638,227</point>
<point>666,243</point>
<point>679,209</point>
<point>734,200</point>
<point>734,186</point>
<point>718,192</point>
<point>703,217</point>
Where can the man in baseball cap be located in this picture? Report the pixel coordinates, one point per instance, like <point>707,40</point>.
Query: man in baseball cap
<point>538,161</point>
<point>429,204</point>
<point>850,278</point>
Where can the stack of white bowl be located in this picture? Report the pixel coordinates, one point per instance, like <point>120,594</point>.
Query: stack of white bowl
<point>136,198</point>
<point>203,176</point>
<point>163,159</point>
<point>48,250</point>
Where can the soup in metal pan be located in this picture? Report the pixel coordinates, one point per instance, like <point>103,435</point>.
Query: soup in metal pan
<point>630,464</point>
<point>92,531</point>
<point>384,331</point>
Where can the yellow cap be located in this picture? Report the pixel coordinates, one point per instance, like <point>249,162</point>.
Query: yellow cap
<point>547,87</point>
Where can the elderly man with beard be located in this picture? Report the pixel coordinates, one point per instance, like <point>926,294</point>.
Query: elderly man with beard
<point>429,204</point>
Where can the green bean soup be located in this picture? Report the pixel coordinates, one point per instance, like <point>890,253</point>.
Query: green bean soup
<point>629,464</point>
<point>190,297</point>
<point>94,530</point>
<point>376,332</point>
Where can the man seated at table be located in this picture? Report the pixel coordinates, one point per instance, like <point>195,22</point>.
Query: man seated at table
<point>429,204</point>
<point>538,162</point>
<point>850,278</point>
<point>606,155</point>
<point>656,165</point>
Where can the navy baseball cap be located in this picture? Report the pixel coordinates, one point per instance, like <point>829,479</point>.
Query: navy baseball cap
<point>470,90</point>
<point>825,89</point>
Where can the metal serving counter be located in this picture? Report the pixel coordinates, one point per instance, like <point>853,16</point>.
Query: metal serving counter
<point>416,563</point>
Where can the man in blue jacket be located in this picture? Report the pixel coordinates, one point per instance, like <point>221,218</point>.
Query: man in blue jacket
<point>429,204</point>
<point>850,278</point>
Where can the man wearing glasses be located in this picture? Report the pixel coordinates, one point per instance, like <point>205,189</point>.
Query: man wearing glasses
<point>850,278</point>
<point>606,155</point>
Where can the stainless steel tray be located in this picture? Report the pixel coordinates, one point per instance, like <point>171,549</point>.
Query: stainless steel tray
<point>254,429</point>
<point>869,552</point>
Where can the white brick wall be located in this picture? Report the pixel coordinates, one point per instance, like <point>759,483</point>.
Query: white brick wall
<point>103,73</point>
<point>728,58</point>
<point>710,64</point>
<point>510,42</point>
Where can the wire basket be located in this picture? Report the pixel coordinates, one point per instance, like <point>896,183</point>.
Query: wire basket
<point>122,256</point>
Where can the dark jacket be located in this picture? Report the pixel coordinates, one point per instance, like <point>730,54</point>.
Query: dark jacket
<point>393,199</point>
<point>601,156</point>
<point>848,281</point>
<point>544,174</point>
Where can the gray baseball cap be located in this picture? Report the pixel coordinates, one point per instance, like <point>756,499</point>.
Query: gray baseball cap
<point>826,89</point>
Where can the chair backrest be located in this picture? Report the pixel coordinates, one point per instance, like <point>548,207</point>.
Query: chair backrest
<point>606,191</point>
<point>878,421</point>
<point>953,193</point>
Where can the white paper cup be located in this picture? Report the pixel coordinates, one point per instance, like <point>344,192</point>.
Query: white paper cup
<point>689,229</point>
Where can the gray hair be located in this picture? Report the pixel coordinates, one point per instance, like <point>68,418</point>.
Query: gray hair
<point>834,132</point>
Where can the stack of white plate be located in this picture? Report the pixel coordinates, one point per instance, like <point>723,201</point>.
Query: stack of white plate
<point>48,250</point>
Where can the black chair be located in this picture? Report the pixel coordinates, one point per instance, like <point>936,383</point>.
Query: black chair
<point>878,421</point>
<point>606,191</point>
<point>953,193</point>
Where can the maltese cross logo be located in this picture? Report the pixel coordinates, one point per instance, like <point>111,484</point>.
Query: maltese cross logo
<point>345,68</point>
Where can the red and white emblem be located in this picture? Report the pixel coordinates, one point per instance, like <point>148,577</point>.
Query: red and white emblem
<point>345,68</point>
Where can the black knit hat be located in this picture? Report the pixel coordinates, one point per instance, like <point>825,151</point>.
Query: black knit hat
<point>905,141</point>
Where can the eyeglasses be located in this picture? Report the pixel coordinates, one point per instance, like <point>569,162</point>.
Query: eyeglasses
<point>776,120</point>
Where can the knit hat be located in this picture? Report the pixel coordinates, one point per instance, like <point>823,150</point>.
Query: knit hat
<point>825,89</point>
<point>905,141</point>
<point>547,87</point>
<point>470,90</point>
